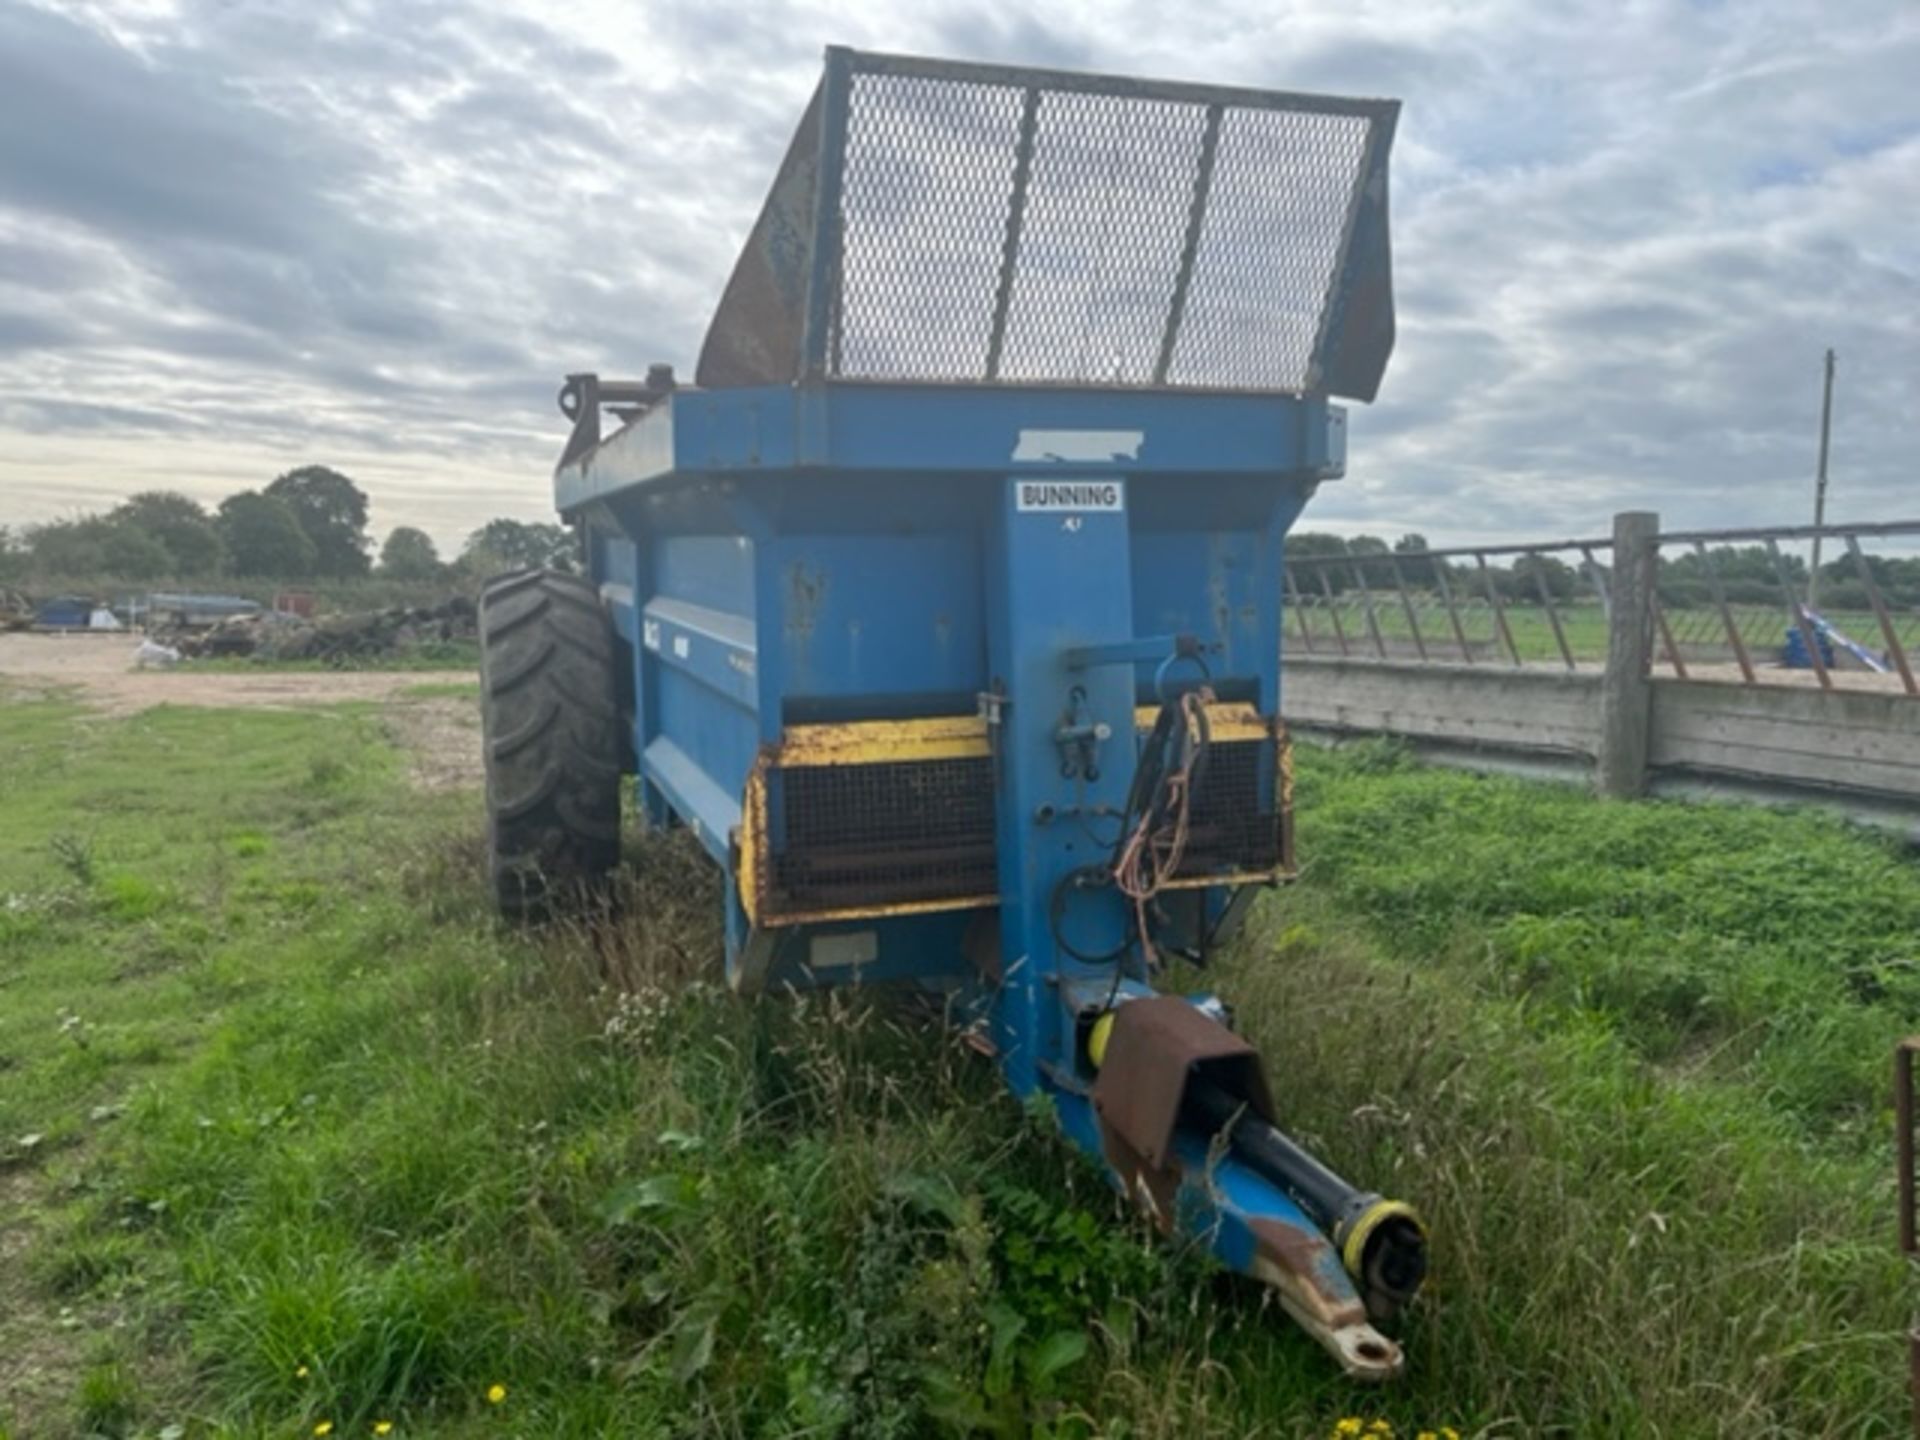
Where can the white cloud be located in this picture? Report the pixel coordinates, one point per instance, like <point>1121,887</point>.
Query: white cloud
<point>240,235</point>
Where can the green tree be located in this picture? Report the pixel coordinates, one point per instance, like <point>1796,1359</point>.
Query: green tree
<point>68,547</point>
<point>263,537</point>
<point>1529,571</point>
<point>1751,564</point>
<point>332,513</point>
<point>1897,580</point>
<point>135,555</point>
<point>1318,545</point>
<point>409,555</point>
<point>181,526</point>
<point>1412,548</point>
<point>505,544</point>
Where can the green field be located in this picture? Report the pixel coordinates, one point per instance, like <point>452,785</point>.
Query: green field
<point>291,1136</point>
<point>1700,634</point>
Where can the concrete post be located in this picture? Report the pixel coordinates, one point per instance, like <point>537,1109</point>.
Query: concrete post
<point>1626,698</point>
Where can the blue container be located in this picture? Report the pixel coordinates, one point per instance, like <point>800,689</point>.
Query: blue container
<point>64,612</point>
<point>996,435</point>
<point>1793,654</point>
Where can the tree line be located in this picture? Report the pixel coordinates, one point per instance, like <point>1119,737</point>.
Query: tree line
<point>1361,556</point>
<point>309,524</point>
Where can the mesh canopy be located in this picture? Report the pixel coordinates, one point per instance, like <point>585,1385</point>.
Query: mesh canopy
<point>966,223</point>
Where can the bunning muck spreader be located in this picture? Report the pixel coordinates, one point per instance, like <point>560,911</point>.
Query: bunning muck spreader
<point>944,607</point>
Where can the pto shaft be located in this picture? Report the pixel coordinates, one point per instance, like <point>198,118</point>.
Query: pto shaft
<point>1382,1242</point>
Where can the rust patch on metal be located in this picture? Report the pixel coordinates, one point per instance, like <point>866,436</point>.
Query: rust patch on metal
<point>806,593</point>
<point>1156,1047</point>
<point>1155,1189</point>
<point>754,338</point>
<point>1305,1273</point>
<point>981,945</point>
<point>1300,1257</point>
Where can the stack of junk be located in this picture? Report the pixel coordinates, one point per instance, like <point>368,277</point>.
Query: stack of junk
<point>334,639</point>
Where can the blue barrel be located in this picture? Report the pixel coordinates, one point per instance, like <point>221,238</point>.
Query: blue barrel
<point>1794,654</point>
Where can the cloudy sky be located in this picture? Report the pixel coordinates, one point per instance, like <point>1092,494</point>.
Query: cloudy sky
<point>241,235</point>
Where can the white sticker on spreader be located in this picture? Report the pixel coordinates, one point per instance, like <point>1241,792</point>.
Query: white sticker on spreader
<point>1070,495</point>
<point>1101,447</point>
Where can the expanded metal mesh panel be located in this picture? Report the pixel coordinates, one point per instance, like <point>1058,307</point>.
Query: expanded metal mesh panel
<point>1269,248</point>
<point>867,835</point>
<point>923,211</point>
<point>1100,168</point>
<point>1233,824</point>
<point>1000,231</point>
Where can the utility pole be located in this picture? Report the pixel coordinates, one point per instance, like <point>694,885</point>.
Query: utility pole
<point>1820,483</point>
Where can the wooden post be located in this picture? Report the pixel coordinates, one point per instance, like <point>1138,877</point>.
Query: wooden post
<point>1626,699</point>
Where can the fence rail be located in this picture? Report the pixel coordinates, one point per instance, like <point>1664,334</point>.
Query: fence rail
<point>1750,615</point>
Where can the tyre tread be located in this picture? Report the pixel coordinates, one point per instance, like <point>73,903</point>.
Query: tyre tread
<point>552,721</point>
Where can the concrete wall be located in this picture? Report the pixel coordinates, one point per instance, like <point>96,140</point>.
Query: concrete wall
<point>1786,741</point>
<point>1537,711</point>
<point>1858,741</point>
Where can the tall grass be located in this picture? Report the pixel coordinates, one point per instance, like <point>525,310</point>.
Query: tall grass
<point>377,1157</point>
<point>1778,951</point>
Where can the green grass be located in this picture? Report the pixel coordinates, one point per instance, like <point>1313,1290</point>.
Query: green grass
<point>319,1143</point>
<point>1778,951</point>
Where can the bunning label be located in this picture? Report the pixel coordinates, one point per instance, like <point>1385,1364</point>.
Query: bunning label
<point>1070,495</point>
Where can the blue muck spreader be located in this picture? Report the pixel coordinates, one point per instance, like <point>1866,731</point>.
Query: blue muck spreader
<point>944,607</point>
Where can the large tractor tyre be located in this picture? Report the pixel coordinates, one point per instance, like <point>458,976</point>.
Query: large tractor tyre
<point>550,715</point>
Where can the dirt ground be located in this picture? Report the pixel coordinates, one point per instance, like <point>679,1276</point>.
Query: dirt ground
<point>441,734</point>
<point>101,667</point>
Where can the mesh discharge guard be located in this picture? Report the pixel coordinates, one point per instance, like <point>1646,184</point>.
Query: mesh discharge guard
<point>936,222</point>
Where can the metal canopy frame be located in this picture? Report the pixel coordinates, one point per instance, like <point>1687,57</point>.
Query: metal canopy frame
<point>943,222</point>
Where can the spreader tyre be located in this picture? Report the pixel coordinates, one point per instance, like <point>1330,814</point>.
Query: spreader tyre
<point>552,725</point>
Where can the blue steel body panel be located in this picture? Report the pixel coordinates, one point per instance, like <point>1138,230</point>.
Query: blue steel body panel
<point>927,950</point>
<point>843,552</point>
<point>834,551</point>
<point>714,571</point>
<point>696,686</point>
<point>920,430</point>
<point>873,614</point>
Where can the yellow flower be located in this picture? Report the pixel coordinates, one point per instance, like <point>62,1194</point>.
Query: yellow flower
<point>301,1373</point>
<point>1348,1426</point>
<point>325,1427</point>
<point>1426,1435</point>
<point>383,1427</point>
<point>496,1393</point>
<point>1380,1427</point>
